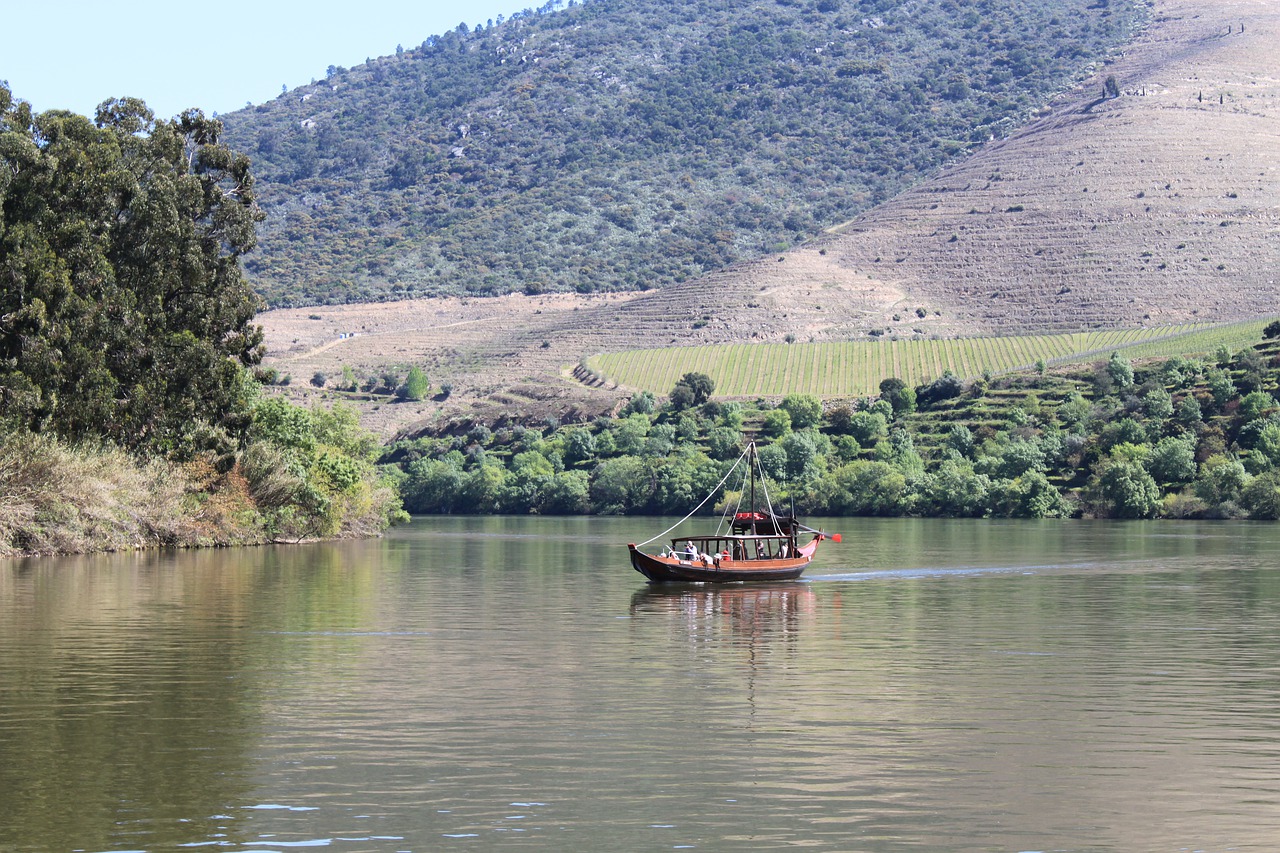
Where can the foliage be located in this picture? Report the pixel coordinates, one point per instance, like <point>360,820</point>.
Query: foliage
<point>416,386</point>
<point>668,137</point>
<point>898,395</point>
<point>805,410</point>
<point>944,388</point>
<point>301,474</point>
<point>1120,371</point>
<point>123,310</point>
<point>61,498</point>
<point>1034,446</point>
<point>693,389</point>
<point>125,333</point>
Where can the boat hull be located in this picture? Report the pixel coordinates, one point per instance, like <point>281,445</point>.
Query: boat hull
<point>673,569</point>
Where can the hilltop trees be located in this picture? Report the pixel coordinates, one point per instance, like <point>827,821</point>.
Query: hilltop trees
<point>123,310</point>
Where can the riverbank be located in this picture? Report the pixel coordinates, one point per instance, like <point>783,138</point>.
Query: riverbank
<point>63,498</point>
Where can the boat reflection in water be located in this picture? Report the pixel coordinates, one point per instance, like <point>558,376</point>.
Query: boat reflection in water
<point>754,611</point>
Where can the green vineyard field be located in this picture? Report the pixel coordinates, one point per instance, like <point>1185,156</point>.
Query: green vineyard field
<point>855,368</point>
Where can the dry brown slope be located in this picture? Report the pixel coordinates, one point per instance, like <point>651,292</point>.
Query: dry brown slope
<point>1160,206</point>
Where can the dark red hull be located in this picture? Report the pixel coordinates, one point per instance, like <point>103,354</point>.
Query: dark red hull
<point>674,569</point>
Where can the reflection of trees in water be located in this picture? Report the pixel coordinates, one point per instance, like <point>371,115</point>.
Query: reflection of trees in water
<point>128,696</point>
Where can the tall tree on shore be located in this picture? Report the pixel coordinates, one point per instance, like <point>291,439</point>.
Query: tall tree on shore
<point>124,312</point>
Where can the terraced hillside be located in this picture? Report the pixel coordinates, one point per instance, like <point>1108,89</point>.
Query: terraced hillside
<point>1159,206</point>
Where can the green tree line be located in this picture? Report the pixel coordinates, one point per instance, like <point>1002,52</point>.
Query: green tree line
<point>1176,438</point>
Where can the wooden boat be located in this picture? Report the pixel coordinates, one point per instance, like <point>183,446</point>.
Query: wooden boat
<point>748,545</point>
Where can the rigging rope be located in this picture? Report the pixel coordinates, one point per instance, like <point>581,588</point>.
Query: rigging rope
<point>742,490</point>
<point>723,480</point>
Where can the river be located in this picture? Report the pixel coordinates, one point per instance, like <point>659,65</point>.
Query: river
<point>494,683</point>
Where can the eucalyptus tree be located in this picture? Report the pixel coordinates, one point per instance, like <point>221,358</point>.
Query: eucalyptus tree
<point>124,312</point>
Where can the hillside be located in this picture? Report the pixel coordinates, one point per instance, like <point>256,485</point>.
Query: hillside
<point>1157,207</point>
<point>618,145</point>
<point>833,288</point>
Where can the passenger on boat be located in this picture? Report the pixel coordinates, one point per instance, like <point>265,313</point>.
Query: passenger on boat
<point>782,551</point>
<point>690,551</point>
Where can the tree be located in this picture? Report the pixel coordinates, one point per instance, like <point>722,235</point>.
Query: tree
<point>960,439</point>
<point>1028,496</point>
<point>776,423</point>
<point>805,410</point>
<point>1157,404</point>
<point>944,388</point>
<point>432,485</point>
<point>1220,482</point>
<point>1124,489</point>
<point>125,310</point>
<point>642,403</point>
<point>621,485</point>
<point>416,387</point>
<point>1172,461</point>
<point>1254,404</point>
<point>898,395</point>
<point>1120,371</point>
<point>693,389</point>
<point>724,443</point>
<point>579,445</point>
<point>839,419</point>
<point>1262,497</point>
<point>957,491</point>
<point>868,427</point>
<point>682,396</point>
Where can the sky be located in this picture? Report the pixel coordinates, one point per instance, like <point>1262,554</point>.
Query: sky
<point>214,56</point>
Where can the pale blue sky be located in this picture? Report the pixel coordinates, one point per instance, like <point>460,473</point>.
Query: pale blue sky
<point>215,56</point>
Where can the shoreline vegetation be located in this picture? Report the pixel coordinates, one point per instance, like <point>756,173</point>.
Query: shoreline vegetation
<point>1176,438</point>
<point>1194,436</point>
<point>305,475</point>
<point>131,406</point>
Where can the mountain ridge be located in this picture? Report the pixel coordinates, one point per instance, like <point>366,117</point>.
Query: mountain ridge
<point>620,145</point>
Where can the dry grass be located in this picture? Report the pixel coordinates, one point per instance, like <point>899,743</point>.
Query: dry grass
<point>56,498</point>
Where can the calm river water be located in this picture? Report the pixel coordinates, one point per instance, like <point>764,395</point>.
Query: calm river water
<point>494,683</point>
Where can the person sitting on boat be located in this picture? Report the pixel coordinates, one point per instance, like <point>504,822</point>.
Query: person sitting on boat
<point>759,550</point>
<point>782,551</point>
<point>690,551</point>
